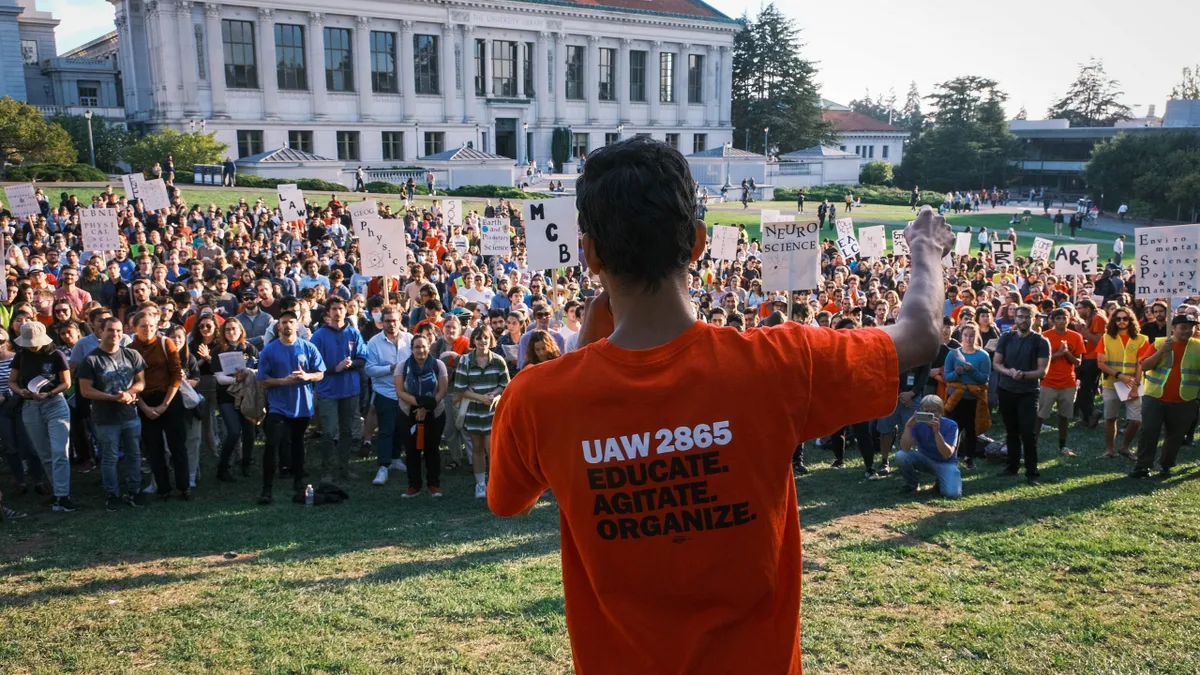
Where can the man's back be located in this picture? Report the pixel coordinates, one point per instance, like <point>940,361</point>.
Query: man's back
<point>680,541</point>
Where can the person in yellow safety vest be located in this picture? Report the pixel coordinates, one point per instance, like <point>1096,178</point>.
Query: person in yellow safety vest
<point>1172,373</point>
<point>1117,359</point>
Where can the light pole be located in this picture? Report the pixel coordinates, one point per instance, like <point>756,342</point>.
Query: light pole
<point>476,142</point>
<point>87,115</point>
<point>417,139</point>
<point>766,137</point>
<point>525,142</point>
<point>620,130</point>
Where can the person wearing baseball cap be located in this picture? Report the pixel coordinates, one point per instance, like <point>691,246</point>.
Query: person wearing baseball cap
<point>1171,368</point>
<point>40,375</point>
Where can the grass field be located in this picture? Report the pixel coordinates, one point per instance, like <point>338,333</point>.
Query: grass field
<point>1089,573</point>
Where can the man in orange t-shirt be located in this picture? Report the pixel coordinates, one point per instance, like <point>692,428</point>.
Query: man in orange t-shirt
<point>1058,387</point>
<point>1091,325</point>
<point>677,504</point>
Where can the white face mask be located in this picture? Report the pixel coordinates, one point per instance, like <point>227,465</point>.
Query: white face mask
<point>377,316</point>
<point>433,277</point>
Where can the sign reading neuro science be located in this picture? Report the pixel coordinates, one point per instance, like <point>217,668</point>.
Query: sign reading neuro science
<point>291,203</point>
<point>1041,249</point>
<point>22,200</point>
<point>551,233</point>
<point>100,231</point>
<point>1079,259</point>
<point>724,242</point>
<point>791,256</point>
<point>872,241</point>
<point>381,247</point>
<point>1168,261</point>
<point>1002,252</point>
<point>494,239</point>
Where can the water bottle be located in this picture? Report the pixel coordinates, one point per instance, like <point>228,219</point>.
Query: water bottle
<point>308,495</point>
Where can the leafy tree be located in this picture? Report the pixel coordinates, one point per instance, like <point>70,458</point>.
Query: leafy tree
<point>1189,84</point>
<point>1160,170</point>
<point>880,108</point>
<point>25,136</point>
<point>1091,101</point>
<point>1021,114</point>
<point>773,87</point>
<point>911,117</point>
<point>878,172</point>
<point>110,140</point>
<point>560,146</point>
<point>187,150</point>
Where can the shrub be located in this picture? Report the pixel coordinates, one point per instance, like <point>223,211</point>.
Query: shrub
<point>495,192</point>
<point>878,172</point>
<point>245,180</point>
<point>870,194</point>
<point>381,187</point>
<point>560,146</point>
<point>27,173</point>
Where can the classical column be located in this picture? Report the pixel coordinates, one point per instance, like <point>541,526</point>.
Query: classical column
<point>520,70</point>
<point>216,60</point>
<point>449,74</point>
<point>653,78</point>
<point>362,69</point>
<point>621,81</point>
<point>681,83</point>
<point>316,64</point>
<point>468,52</point>
<point>726,87</point>
<point>407,71</point>
<point>159,104</point>
<point>592,79</point>
<point>711,100</point>
<point>268,78</point>
<point>541,77</point>
<point>560,77</point>
<point>133,99</point>
<point>188,76</point>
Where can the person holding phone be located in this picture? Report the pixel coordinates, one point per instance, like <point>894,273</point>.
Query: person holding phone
<point>935,439</point>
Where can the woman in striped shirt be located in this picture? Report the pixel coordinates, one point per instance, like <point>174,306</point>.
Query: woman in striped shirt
<point>479,378</point>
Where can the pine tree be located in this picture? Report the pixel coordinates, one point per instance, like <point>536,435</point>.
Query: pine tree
<point>911,117</point>
<point>1091,101</point>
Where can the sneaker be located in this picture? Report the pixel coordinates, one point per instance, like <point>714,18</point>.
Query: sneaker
<point>969,464</point>
<point>883,470</point>
<point>410,493</point>
<point>10,514</point>
<point>137,501</point>
<point>381,476</point>
<point>150,489</point>
<point>837,464</point>
<point>112,503</point>
<point>63,504</point>
<point>1140,473</point>
<point>435,492</point>
<point>397,465</point>
<point>481,491</point>
<point>1033,482</point>
<point>192,483</point>
<point>870,474</point>
<point>1047,427</point>
<point>799,469</point>
<point>1066,452</point>
<point>266,498</point>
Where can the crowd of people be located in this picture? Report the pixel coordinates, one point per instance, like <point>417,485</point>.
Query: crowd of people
<point>167,356</point>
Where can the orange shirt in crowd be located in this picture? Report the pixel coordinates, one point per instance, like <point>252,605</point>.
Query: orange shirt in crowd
<point>1096,325</point>
<point>1061,373</point>
<point>1171,386</point>
<point>677,504</point>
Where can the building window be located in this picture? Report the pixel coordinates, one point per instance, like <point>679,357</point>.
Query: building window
<point>237,37</point>
<point>435,142</point>
<point>842,148</point>
<point>673,140</point>
<point>666,77</point>
<point>579,146</point>
<point>339,60</point>
<point>347,145</point>
<point>609,139</point>
<point>393,145</point>
<point>527,64</point>
<point>637,76</point>
<point>871,152</point>
<point>89,93</point>
<point>249,143</point>
<point>481,68</point>
<point>504,68</point>
<point>301,140</point>
<point>608,69</point>
<point>885,151</point>
<point>289,57</point>
<point>695,78</point>
<point>699,142</point>
<point>858,150</point>
<point>383,63</point>
<point>29,52</point>
<point>574,72</point>
<point>425,64</point>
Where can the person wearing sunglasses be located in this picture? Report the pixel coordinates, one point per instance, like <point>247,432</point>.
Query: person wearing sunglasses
<point>1118,362</point>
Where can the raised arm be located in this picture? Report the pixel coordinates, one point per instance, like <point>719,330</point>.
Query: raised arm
<point>917,332</point>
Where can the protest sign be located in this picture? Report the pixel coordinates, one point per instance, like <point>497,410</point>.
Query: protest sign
<point>768,216</point>
<point>231,362</point>
<point>791,256</point>
<point>495,239</point>
<point>846,241</point>
<point>133,186</point>
<point>724,242</point>
<point>452,213</point>
<point>551,233</point>
<point>381,247</point>
<point>291,203</point>
<point>1076,259</point>
<point>1041,249</point>
<point>22,201</point>
<point>872,241</point>
<point>962,243</point>
<point>1002,252</point>
<point>100,232</point>
<point>367,208</point>
<point>1168,261</point>
<point>154,195</point>
<point>899,243</point>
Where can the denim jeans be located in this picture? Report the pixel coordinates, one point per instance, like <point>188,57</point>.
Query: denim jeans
<point>337,423</point>
<point>49,425</point>
<point>236,427</point>
<point>911,464</point>
<point>114,439</point>
<point>390,436</point>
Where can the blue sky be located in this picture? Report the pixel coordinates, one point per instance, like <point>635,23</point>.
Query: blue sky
<point>1032,47</point>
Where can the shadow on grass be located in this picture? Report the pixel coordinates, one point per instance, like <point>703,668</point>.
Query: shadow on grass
<point>46,593</point>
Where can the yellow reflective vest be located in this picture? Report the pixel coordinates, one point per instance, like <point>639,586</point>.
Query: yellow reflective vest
<point>1189,371</point>
<point>1121,357</point>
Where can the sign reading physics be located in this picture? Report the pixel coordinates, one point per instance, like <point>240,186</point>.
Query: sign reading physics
<point>846,241</point>
<point>100,231</point>
<point>22,201</point>
<point>1002,252</point>
<point>494,239</point>
<point>1076,259</point>
<point>872,241</point>
<point>1041,249</point>
<point>724,242</point>
<point>380,247</point>
<point>551,233</point>
<point>1168,261</point>
<point>791,256</point>
<point>291,203</point>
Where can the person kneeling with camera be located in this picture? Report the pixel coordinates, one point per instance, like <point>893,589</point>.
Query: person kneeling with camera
<point>930,445</point>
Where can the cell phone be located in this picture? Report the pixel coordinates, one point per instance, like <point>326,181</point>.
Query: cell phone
<point>925,417</point>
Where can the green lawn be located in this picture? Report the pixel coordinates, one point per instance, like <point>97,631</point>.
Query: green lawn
<point>1090,573</point>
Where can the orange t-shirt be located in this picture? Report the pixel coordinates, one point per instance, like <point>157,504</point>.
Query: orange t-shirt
<point>685,479</point>
<point>1061,373</point>
<point>1171,386</point>
<point>1097,325</point>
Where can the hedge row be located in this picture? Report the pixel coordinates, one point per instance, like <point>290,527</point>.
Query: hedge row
<point>870,194</point>
<point>68,173</point>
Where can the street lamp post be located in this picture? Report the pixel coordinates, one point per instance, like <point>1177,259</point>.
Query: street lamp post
<point>525,142</point>
<point>87,115</point>
<point>766,137</point>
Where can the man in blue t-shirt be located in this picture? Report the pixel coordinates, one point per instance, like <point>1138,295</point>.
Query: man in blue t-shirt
<point>288,367</point>
<point>935,438</point>
<point>342,348</point>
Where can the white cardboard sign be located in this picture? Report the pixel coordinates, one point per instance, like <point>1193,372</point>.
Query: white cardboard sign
<point>452,213</point>
<point>494,239</point>
<point>791,256</point>
<point>381,247</point>
<point>1076,259</point>
<point>133,186</point>
<point>872,241</point>
<point>367,208</point>
<point>22,201</point>
<point>1041,249</point>
<point>100,232</point>
<point>1002,252</point>
<point>724,242</point>
<point>551,233</point>
<point>291,203</point>
<point>899,243</point>
<point>1168,260</point>
<point>962,243</point>
<point>154,195</point>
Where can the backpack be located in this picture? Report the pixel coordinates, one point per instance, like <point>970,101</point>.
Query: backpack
<point>249,396</point>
